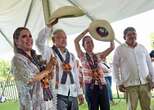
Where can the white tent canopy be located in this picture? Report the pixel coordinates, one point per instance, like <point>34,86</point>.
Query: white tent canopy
<point>15,13</point>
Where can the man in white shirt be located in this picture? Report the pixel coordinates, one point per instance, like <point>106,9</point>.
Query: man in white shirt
<point>131,67</point>
<point>66,77</point>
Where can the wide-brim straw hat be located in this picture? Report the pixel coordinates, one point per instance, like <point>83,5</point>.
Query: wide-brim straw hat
<point>101,30</point>
<point>66,11</point>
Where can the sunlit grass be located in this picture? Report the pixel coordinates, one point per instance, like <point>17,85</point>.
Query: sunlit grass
<point>120,105</point>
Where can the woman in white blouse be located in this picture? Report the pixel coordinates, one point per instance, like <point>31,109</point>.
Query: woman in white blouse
<point>26,66</point>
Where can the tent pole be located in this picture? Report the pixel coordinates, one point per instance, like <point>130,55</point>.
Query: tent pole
<point>77,5</point>
<point>5,37</point>
<point>46,10</point>
<point>29,12</point>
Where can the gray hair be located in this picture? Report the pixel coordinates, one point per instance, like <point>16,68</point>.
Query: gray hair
<point>57,30</point>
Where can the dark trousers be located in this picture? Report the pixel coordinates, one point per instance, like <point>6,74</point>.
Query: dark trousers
<point>97,97</point>
<point>67,103</point>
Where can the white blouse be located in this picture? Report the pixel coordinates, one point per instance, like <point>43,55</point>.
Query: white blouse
<point>30,96</point>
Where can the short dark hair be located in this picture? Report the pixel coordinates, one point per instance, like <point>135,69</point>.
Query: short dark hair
<point>128,29</point>
<point>152,54</point>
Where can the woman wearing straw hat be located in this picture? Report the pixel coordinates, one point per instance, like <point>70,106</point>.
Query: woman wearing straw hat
<point>95,85</point>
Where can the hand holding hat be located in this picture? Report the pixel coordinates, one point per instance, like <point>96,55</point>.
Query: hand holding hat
<point>66,11</point>
<point>101,30</point>
<point>50,24</point>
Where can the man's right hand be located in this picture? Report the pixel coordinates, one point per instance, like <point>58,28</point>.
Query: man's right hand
<point>52,22</point>
<point>122,88</point>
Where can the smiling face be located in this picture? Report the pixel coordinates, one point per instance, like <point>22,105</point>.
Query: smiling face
<point>130,38</point>
<point>60,39</point>
<point>24,40</point>
<point>88,44</point>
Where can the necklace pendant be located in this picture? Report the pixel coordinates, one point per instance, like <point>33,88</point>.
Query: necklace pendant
<point>66,67</point>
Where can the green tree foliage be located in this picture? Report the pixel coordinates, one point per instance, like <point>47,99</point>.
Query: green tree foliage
<point>4,69</point>
<point>151,37</point>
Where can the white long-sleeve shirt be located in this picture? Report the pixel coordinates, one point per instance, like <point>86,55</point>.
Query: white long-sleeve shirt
<point>131,66</point>
<point>46,51</point>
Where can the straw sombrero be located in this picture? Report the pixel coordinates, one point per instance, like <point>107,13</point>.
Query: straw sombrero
<point>101,30</point>
<point>66,11</point>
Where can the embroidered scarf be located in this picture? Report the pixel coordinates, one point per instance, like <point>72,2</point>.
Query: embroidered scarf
<point>66,61</point>
<point>92,63</point>
<point>35,59</point>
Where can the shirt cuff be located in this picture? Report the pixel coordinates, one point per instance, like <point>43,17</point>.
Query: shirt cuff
<point>48,30</point>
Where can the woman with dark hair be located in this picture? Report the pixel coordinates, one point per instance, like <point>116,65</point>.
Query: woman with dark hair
<point>28,70</point>
<point>95,84</point>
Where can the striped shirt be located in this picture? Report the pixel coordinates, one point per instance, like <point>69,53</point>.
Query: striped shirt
<point>87,71</point>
